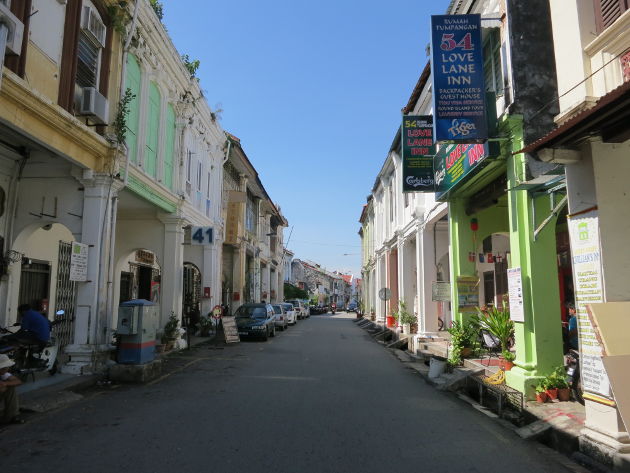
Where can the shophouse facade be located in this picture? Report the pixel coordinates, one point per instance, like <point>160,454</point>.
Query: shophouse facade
<point>592,141</point>
<point>253,251</point>
<point>59,161</point>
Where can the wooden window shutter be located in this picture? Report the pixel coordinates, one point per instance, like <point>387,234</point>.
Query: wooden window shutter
<point>607,12</point>
<point>68,69</point>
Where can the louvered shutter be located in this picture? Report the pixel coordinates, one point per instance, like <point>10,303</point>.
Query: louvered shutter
<point>607,12</point>
<point>153,129</point>
<point>133,83</point>
<point>169,150</point>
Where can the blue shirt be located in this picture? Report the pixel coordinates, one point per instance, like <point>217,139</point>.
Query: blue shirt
<point>36,323</point>
<point>573,341</point>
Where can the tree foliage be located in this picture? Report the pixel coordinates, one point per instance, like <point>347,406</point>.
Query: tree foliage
<point>293,292</point>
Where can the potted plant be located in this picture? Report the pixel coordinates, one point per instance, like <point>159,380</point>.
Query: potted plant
<point>462,339</point>
<point>497,322</point>
<point>405,318</point>
<point>171,332</point>
<point>541,391</point>
<point>564,392</point>
<point>205,326</point>
<point>508,360</point>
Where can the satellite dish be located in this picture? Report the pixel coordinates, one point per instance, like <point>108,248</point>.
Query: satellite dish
<point>385,294</point>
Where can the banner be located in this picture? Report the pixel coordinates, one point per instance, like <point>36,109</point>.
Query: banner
<point>587,277</point>
<point>417,153</point>
<point>459,104</point>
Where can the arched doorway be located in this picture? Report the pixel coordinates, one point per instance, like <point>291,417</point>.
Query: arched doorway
<point>192,290</point>
<point>140,277</point>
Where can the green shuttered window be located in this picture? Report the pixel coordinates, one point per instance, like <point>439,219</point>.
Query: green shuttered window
<point>133,83</point>
<point>169,147</point>
<point>153,130</point>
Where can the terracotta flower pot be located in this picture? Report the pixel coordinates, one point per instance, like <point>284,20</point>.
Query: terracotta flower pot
<point>541,397</point>
<point>505,365</point>
<point>466,352</point>
<point>552,393</point>
<point>564,394</point>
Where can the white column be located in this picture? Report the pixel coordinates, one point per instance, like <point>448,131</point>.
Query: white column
<point>91,324</point>
<point>172,283</point>
<point>427,272</point>
<point>208,279</point>
<point>402,277</point>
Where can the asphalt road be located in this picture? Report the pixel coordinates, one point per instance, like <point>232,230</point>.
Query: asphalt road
<point>321,397</point>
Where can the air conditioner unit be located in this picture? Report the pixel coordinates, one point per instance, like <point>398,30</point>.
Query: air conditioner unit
<point>94,105</point>
<point>92,24</point>
<point>15,27</point>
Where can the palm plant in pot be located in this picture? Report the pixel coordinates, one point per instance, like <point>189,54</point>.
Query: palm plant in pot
<point>497,322</point>
<point>462,339</point>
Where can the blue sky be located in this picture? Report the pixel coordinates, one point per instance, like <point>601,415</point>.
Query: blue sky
<point>314,90</point>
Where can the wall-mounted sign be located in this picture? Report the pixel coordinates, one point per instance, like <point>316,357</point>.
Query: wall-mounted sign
<point>587,277</point>
<point>441,291</point>
<point>144,256</point>
<point>201,236</point>
<point>467,293</point>
<point>515,295</point>
<point>458,80</point>
<point>417,153</point>
<point>78,262</point>
<point>452,163</point>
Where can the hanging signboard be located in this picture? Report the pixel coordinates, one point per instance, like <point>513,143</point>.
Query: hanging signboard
<point>458,80</point>
<point>587,276</point>
<point>417,153</point>
<point>515,295</point>
<point>78,262</point>
<point>452,163</point>
<point>468,293</point>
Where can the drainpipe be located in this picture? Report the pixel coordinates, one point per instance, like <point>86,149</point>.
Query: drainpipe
<point>110,270</point>
<point>124,73</point>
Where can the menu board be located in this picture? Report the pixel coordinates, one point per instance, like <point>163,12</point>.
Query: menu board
<point>587,275</point>
<point>230,330</point>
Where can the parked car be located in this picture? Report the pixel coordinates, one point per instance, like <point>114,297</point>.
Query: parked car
<point>281,316</point>
<point>290,313</point>
<point>352,306</point>
<point>300,311</point>
<point>256,320</point>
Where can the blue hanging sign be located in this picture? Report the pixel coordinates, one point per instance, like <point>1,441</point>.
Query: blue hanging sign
<point>458,82</point>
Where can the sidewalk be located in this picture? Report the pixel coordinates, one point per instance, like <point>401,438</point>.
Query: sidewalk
<point>48,392</point>
<point>556,424</point>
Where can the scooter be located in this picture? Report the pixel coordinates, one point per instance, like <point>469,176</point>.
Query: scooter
<point>572,364</point>
<point>332,309</point>
<point>33,358</point>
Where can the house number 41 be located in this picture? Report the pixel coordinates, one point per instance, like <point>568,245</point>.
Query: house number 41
<point>201,235</point>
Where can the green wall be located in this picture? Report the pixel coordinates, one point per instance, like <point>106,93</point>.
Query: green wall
<point>133,83</point>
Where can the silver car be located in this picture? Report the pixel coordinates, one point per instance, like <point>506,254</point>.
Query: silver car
<point>281,317</point>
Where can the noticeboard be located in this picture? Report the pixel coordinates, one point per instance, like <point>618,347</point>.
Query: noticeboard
<point>78,262</point>
<point>515,294</point>
<point>230,330</point>
<point>467,293</point>
<point>441,291</point>
<point>588,283</point>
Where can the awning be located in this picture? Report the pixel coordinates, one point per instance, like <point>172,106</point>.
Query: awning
<point>609,117</point>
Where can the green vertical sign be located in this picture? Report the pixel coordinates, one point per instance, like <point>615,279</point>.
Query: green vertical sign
<point>417,154</point>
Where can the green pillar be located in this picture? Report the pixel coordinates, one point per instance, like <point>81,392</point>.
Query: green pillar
<point>461,242</point>
<point>539,338</point>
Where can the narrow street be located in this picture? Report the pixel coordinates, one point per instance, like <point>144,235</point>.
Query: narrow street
<point>320,397</point>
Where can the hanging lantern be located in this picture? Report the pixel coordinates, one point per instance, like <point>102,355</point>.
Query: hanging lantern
<point>474,225</point>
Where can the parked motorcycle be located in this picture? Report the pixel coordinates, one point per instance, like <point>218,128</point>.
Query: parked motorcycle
<point>332,308</point>
<point>572,365</point>
<point>33,358</point>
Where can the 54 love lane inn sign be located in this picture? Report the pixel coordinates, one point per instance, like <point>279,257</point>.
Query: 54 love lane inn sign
<point>458,81</point>
<point>417,153</point>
